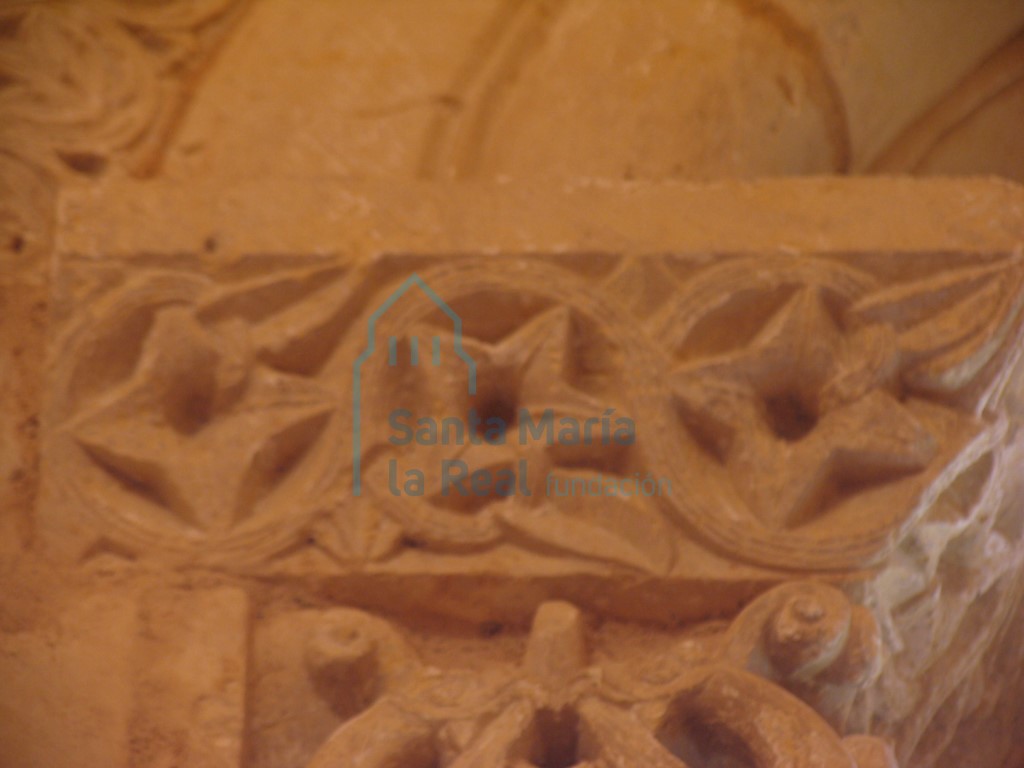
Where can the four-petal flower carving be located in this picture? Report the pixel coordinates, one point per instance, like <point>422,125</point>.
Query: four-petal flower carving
<point>803,410</point>
<point>199,430</point>
<point>531,373</point>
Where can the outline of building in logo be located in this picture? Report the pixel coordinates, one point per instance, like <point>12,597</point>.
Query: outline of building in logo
<point>413,280</point>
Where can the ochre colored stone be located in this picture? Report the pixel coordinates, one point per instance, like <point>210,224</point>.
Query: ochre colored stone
<point>451,385</point>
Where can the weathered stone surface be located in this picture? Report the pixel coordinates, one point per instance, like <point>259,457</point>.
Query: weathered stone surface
<point>493,89</point>
<point>66,679</point>
<point>190,676</point>
<point>605,89</point>
<point>831,392</point>
<point>203,562</point>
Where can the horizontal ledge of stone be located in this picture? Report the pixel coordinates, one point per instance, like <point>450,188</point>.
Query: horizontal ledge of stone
<point>362,218</point>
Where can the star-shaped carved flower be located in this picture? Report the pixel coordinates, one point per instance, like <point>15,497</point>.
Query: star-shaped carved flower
<point>804,411</point>
<point>535,373</point>
<point>200,431</point>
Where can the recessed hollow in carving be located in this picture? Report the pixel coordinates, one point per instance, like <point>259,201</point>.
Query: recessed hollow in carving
<point>137,478</point>
<point>490,315</point>
<point>84,163</point>
<point>789,418</point>
<point>498,408</point>
<point>112,352</point>
<point>698,742</point>
<point>735,322</point>
<point>189,411</point>
<point>556,739</point>
<point>276,459</point>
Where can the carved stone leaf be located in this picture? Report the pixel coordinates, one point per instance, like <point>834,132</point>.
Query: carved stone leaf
<point>615,531</point>
<point>356,531</point>
<point>953,327</point>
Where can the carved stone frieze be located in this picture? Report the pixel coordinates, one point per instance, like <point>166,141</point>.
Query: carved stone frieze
<point>213,416</point>
<point>320,452</point>
<point>827,424</point>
